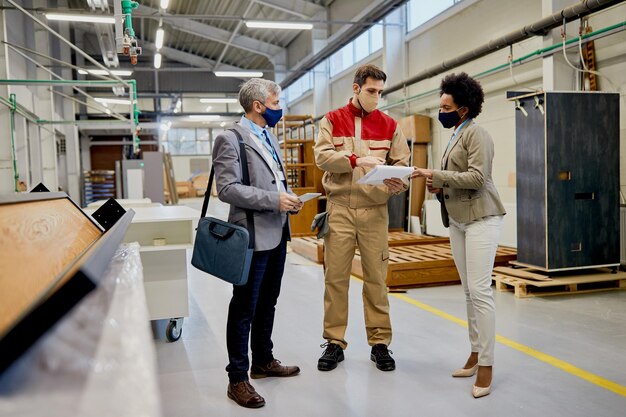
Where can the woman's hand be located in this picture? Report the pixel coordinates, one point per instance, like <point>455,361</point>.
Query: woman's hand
<point>421,173</point>
<point>429,186</point>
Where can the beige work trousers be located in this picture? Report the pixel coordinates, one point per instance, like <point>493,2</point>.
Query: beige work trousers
<point>366,227</point>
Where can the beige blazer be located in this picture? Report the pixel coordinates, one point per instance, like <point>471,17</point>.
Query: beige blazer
<point>468,192</point>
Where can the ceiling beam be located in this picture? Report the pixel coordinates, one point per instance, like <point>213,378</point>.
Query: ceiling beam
<point>301,8</point>
<point>215,34</point>
<point>187,58</point>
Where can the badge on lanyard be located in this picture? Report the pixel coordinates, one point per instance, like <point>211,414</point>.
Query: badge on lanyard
<point>281,175</point>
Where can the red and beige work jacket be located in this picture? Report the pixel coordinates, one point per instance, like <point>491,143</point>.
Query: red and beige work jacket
<point>349,133</point>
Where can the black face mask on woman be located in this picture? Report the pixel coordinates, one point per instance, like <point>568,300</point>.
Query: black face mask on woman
<point>450,119</point>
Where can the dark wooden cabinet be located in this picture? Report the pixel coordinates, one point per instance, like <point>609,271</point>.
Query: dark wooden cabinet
<point>567,158</point>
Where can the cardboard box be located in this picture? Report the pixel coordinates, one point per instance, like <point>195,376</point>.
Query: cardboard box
<point>418,185</point>
<point>416,127</point>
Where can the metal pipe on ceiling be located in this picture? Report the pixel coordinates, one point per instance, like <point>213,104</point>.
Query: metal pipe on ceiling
<point>538,28</point>
<point>57,61</point>
<point>68,43</point>
<point>530,57</point>
<point>58,77</point>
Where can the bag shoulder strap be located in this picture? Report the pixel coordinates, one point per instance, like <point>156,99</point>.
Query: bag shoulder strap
<point>245,180</point>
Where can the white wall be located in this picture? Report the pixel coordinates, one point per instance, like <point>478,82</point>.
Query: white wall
<point>181,164</point>
<point>472,24</point>
<point>37,159</point>
<point>303,105</point>
<point>442,42</point>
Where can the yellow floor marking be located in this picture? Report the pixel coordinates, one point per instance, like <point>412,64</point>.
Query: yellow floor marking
<point>544,357</point>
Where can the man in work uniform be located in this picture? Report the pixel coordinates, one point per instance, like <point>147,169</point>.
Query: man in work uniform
<point>351,142</point>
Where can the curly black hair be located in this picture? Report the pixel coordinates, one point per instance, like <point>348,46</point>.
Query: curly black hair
<point>465,91</point>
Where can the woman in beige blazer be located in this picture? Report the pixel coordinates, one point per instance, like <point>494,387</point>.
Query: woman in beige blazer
<point>471,208</point>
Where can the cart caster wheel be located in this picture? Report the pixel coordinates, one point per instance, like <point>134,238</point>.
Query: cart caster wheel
<point>173,332</point>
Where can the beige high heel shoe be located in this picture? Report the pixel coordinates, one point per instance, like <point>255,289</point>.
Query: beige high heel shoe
<point>464,373</point>
<point>478,392</point>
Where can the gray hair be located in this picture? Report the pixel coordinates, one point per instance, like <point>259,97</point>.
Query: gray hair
<point>256,89</point>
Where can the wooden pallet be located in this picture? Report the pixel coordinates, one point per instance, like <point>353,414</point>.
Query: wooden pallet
<point>310,247</point>
<point>525,282</point>
<point>408,239</point>
<point>425,265</point>
<point>313,248</point>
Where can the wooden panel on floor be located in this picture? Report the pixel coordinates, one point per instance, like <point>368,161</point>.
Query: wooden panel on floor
<point>592,280</point>
<point>425,265</point>
<point>407,239</point>
<point>312,248</point>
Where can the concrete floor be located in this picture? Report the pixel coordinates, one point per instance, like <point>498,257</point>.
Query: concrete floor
<point>583,335</point>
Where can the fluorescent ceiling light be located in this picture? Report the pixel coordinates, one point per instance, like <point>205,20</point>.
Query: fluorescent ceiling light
<point>80,18</point>
<point>198,117</point>
<point>217,100</point>
<point>261,24</point>
<point>119,73</point>
<point>164,4</point>
<point>159,38</point>
<point>238,74</point>
<point>112,100</point>
<point>157,61</point>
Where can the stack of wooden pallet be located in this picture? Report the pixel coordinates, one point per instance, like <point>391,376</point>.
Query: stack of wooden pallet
<point>527,282</point>
<point>414,260</point>
<point>424,265</point>
<point>312,248</point>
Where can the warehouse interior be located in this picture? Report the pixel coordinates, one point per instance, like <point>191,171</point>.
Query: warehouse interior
<point>115,99</point>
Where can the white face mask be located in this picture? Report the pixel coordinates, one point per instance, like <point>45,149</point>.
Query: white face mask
<point>368,102</point>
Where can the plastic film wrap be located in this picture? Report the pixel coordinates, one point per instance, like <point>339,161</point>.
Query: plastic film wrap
<point>99,360</point>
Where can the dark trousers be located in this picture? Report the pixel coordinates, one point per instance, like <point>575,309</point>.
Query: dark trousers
<point>251,313</point>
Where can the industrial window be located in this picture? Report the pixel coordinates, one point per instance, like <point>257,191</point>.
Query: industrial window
<point>299,87</point>
<point>179,141</point>
<point>376,38</point>
<point>363,46</point>
<point>421,11</point>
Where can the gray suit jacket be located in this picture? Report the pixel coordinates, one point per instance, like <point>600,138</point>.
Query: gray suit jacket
<point>261,195</point>
<point>465,178</point>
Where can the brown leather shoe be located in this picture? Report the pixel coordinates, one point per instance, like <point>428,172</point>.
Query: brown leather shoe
<point>274,368</point>
<point>245,395</point>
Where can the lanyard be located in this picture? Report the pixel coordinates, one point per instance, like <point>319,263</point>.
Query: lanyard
<point>265,140</point>
<point>456,131</point>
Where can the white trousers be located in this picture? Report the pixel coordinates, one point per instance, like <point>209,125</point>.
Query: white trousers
<point>474,247</point>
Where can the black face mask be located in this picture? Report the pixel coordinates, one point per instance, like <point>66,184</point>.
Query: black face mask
<point>450,119</point>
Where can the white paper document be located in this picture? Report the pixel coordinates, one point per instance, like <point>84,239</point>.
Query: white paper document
<point>383,172</point>
<point>308,196</point>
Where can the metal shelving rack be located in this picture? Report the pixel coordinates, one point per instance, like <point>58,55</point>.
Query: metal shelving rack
<point>98,185</point>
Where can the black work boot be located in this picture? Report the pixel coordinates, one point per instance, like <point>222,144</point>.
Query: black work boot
<point>331,357</point>
<point>381,356</point>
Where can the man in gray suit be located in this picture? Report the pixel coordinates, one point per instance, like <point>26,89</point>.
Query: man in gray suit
<point>252,307</point>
